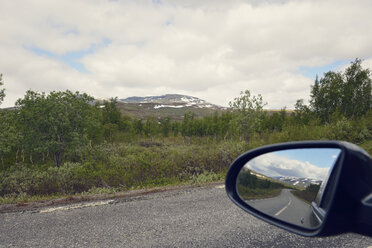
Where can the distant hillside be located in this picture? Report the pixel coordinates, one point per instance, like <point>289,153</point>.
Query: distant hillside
<point>167,99</point>
<point>172,105</point>
<point>302,182</point>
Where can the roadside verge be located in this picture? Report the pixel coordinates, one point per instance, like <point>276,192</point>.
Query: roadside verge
<point>38,206</point>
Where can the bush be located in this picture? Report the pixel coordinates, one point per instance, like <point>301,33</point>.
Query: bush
<point>124,166</point>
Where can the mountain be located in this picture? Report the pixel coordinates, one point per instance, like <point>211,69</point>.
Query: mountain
<point>302,182</point>
<point>172,105</point>
<point>171,101</point>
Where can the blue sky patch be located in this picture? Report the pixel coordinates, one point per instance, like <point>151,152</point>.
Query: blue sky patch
<point>320,157</point>
<point>311,72</point>
<point>71,58</point>
<point>42,52</point>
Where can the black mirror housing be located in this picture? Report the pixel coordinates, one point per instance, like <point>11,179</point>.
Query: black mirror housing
<point>347,199</point>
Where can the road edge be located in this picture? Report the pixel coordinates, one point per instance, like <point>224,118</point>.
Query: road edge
<point>70,200</point>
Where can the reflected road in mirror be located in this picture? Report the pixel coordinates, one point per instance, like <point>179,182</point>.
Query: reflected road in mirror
<point>284,184</point>
<point>287,207</point>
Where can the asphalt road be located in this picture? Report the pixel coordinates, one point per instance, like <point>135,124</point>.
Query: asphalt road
<point>287,207</point>
<point>198,217</point>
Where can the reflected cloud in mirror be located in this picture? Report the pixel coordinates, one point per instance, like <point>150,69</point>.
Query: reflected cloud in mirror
<point>284,184</point>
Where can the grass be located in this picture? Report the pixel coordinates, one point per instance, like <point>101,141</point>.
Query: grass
<point>307,197</point>
<point>251,194</point>
<point>112,168</point>
<point>190,177</point>
<point>104,192</point>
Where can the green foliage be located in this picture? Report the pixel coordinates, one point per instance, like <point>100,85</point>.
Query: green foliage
<point>250,186</point>
<point>54,123</point>
<point>2,91</point>
<point>122,166</point>
<point>302,114</point>
<point>309,194</point>
<point>205,177</point>
<point>97,149</point>
<point>151,127</point>
<point>249,114</point>
<point>9,136</point>
<point>248,180</point>
<point>275,121</point>
<point>257,193</point>
<point>187,127</point>
<point>7,129</point>
<point>341,129</point>
<point>349,93</point>
<point>110,112</point>
<point>166,127</point>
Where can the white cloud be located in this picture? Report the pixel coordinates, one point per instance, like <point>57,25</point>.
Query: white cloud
<point>274,165</point>
<point>209,49</point>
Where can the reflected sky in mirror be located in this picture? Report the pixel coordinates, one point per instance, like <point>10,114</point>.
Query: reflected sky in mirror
<point>301,163</point>
<point>285,183</point>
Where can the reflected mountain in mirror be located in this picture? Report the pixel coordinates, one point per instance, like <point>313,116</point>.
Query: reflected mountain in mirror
<point>284,184</point>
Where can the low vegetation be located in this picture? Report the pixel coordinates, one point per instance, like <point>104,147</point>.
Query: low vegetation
<point>123,166</point>
<point>308,195</point>
<point>249,186</point>
<point>65,143</point>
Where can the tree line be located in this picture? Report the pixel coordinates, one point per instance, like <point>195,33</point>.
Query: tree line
<point>55,127</point>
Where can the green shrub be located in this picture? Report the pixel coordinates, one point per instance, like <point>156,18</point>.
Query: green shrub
<point>108,167</point>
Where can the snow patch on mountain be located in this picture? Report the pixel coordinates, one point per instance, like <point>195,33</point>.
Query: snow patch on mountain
<point>171,101</point>
<point>168,106</point>
<point>302,182</point>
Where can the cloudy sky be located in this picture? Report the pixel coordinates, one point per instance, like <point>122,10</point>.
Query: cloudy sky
<point>300,163</point>
<point>211,49</point>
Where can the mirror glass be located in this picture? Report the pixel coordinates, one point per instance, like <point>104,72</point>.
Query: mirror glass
<point>285,184</point>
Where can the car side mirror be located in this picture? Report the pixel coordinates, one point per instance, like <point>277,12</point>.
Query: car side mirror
<point>313,188</point>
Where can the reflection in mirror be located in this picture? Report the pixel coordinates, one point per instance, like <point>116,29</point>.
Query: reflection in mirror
<point>285,183</point>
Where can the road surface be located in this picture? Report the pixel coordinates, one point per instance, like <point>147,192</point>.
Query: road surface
<point>287,207</point>
<point>197,217</point>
